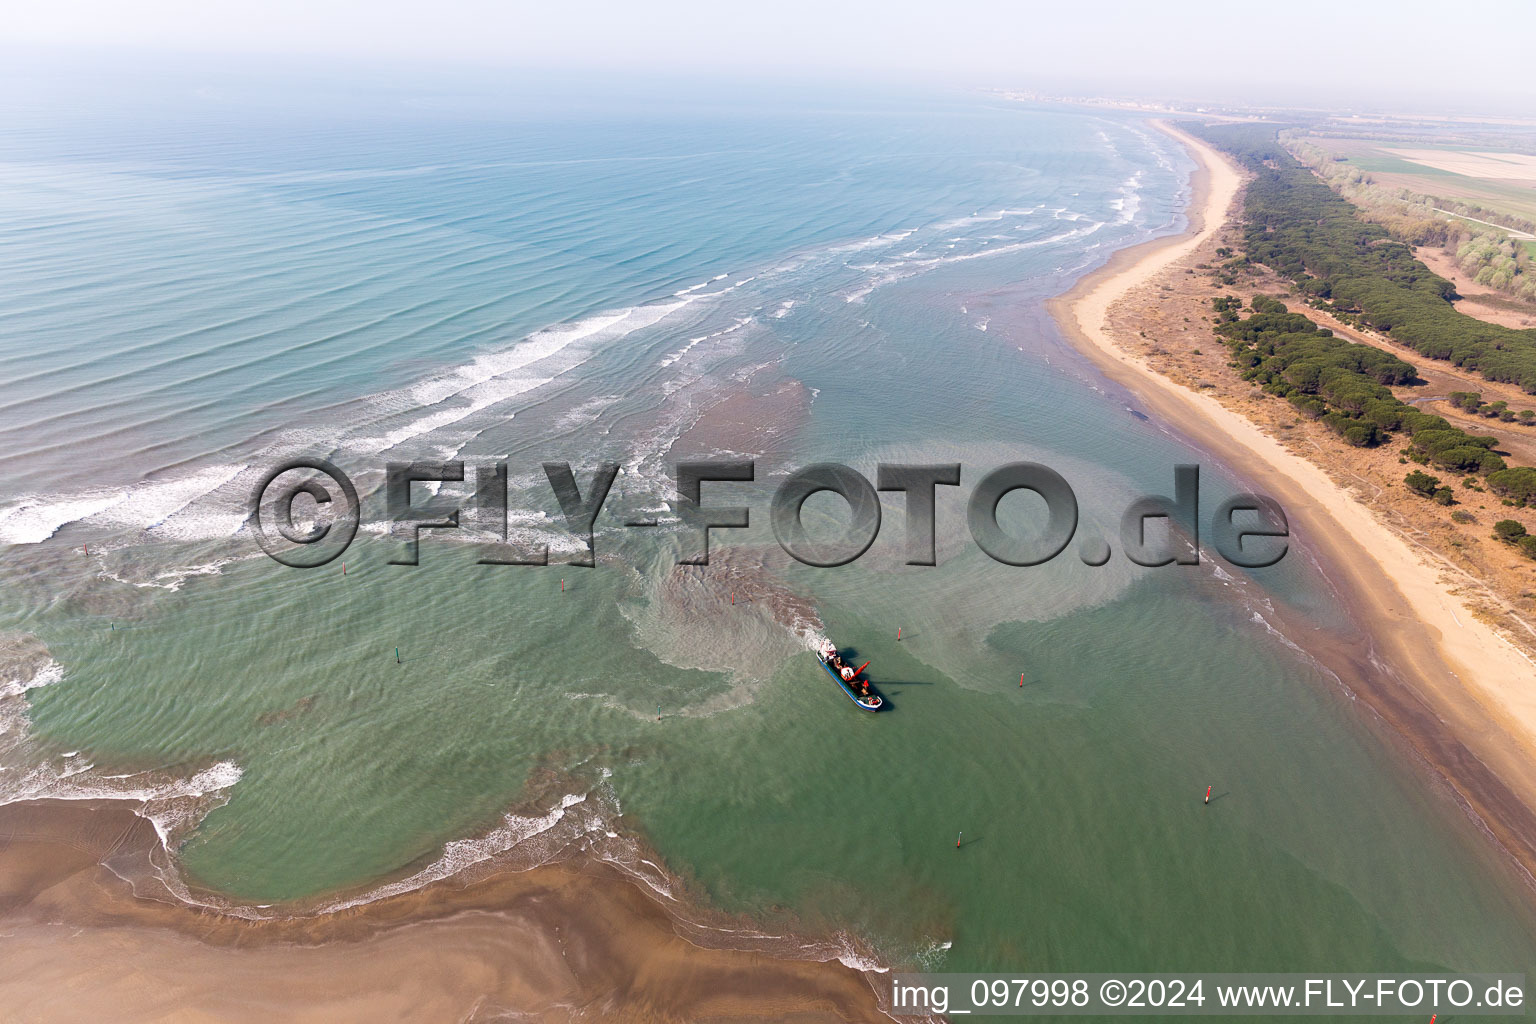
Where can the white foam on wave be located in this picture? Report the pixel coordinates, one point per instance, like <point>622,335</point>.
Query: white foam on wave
<point>175,507</point>
<point>49,782</point>
<point>675,356</point>
<point>50,673</point>
<point>587,412</point>
<point>450,396</point>
<point>151,505</point>
<point>524,537</point>
<point>980,217</point>
<point>172,804</point>
<point>144,506</point>
<point>851,957</point>
<point>493,377</point>
<point>898,270</point>
<point>461,854</point>
<point>932,956</point>
<point>173,578</point>
<point>33,520</point>
<point>874,242</point>
<point>702,284</point>
<point>1129,202</point>
<point>680,353</point>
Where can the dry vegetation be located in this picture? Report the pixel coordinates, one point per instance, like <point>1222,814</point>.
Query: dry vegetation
<point>1169,322</point>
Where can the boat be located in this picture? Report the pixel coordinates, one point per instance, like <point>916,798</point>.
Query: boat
<point>868,701</point>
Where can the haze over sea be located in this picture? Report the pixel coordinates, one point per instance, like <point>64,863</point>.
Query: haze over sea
<point>205,276</point>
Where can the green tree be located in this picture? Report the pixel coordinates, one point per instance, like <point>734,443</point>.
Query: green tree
<point>1466,399</point>
<point>1508,530</point>
<point>1517,484</point>
<point>1422,483</point>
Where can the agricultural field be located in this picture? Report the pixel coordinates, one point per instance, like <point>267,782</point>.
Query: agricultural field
<point>1500,181</point>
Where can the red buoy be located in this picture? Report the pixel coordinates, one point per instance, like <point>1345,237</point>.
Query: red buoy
<point>1207,794</point>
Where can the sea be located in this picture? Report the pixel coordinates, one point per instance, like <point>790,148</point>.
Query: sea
<point>206,271</point>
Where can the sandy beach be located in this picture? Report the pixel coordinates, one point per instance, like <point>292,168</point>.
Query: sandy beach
<point>568,942</point>
<point>1457,691</point>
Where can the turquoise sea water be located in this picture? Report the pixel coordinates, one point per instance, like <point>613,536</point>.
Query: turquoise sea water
<point>196,287</point>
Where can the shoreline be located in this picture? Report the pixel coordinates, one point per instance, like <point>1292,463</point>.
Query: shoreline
<point>572,939</point>
<point>1456,699</point>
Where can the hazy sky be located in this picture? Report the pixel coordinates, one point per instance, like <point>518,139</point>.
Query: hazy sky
<point>1405,54</point>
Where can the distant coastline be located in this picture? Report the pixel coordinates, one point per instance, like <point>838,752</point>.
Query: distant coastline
<point>1454,690</point>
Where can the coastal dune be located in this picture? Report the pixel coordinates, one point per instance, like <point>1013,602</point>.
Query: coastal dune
<point>1457,691</point>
